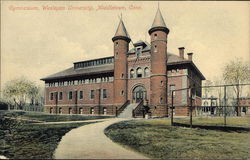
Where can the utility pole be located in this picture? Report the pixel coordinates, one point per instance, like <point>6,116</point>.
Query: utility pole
<point>172,108</point>
<point>191,108</point>
<point>225,104</point>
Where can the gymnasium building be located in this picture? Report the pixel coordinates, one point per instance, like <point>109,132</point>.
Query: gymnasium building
<point>134,80</point>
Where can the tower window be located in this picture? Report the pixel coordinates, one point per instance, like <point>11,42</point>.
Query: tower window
<point>122,92</point>
<point>116,44</point>
<point>155,48</point>
<point>139,72</point>
<point>155,36</point>
<point>132,73</point>
<point>161,83</point>
<point>122,75</point>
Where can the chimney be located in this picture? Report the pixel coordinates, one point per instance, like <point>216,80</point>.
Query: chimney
<point>190,56</point>
<point>181,52</point>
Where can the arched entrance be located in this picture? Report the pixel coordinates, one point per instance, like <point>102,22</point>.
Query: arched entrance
<point>139,93</point>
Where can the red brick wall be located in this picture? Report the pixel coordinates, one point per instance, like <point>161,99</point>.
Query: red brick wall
<point>158,79</point>
<point>120,71</point>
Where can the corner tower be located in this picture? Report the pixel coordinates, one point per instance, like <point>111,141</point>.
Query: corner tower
<point>121,46</point>
<point>158,79</point>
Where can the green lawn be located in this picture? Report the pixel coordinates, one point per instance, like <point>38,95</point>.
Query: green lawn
<point>157,139</point>
<point>49,117</point>
<point>216,121</point>
<point>23,140</point>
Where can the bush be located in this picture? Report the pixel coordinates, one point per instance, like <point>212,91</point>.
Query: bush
<point>3,106</point>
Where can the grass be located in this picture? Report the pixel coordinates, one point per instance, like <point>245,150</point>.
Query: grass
<point>49,117</point>
<point>157,139</point>
<point>23,140</point>
<point>217,121</point>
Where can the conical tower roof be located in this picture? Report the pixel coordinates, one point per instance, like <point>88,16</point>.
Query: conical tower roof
<point>158,23</point>
<point>121,32</point>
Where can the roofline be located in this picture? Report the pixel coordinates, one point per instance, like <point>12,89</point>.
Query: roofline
<point>192,64</point>
<point>74,75</point>
<point>94,59</point>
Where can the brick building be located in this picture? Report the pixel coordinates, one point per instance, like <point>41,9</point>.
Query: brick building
<point>142,76</point>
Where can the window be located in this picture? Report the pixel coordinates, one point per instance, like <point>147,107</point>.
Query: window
<point>155,36</point>
<point>132,73</point>
<point>80,94</point>
<point>70,110</point>
<point>161,100</point>
<point>80,111</point>
<point>70,95</point>
<point>60,95</point>
<point>51,110</point>
<point>138,51</point>
<point>161,83</point>
<point>122,75</point>
<point>155,48</point>
<point>51,96</point>
<point>60,110</point>
<point>116,44</point>
<point>92,110</point>
<point>139,72</point>
<point>172,87</point>
<point>122,92</point>
<point>92,94</point>
<point>146,72</point>
<point>104,93</point>
<point>105,111</point>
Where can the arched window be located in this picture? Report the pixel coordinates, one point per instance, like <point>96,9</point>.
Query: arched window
<point>139,72</point>
<point>146,72</point>
<point>132,73</point>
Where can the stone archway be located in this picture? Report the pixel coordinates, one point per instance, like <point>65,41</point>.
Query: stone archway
<point>139,93</point>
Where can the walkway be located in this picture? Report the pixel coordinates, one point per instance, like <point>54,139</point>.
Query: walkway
<point>65,122</point>
<point>90,142</point>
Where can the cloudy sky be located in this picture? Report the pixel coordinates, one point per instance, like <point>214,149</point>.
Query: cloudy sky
<point>38,42</point>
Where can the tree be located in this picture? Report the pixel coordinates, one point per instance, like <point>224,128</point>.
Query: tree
<point>20,91</point>
<point>208,90</point>
<point>236,72</point>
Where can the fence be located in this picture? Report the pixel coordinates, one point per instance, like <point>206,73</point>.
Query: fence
<point>28,107</point>
<point>221,101</point>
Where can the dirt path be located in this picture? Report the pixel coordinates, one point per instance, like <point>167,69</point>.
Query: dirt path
<point>90,142</point>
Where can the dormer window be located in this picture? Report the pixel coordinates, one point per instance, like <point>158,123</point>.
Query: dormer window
<point>138,50</point>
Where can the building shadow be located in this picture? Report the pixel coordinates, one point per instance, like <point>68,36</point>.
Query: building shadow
<point>218,128</point>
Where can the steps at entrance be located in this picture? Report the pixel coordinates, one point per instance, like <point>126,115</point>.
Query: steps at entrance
<point>127,112</point>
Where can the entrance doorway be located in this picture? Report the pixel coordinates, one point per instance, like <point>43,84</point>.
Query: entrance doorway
<point>139,94</point>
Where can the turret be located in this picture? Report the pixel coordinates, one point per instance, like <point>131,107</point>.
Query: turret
<point>158,80</point>
<point>121,46</point>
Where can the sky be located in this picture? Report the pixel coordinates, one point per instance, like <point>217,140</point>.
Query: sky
<point>38,42</point>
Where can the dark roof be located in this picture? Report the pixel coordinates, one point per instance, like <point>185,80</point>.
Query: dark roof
<point>71,72</point>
